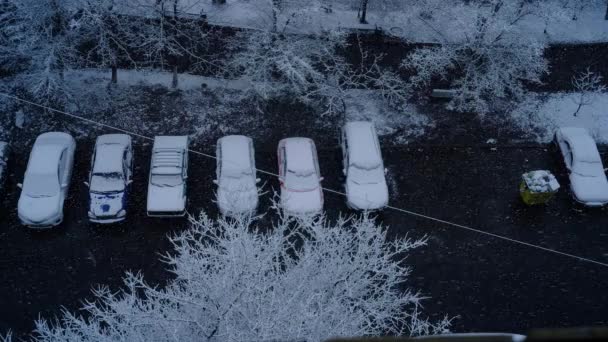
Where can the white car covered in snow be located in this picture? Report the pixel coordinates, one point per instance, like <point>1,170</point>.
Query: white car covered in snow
<point>168,174</point>
<point>47,179</point>
<point>300,178</point>
<point>582,159</point>
<point>237,193</point>
<point>363,167</point>
<point>109,178</point>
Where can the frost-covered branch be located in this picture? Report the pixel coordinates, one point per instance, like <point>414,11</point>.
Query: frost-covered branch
<point>587,84</point>
<point>299,280</point>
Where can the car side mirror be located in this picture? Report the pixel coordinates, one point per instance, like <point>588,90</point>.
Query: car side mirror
<point>344,171</point>
<point>20,186</point>
<point>215,181</point>
<point>86,183</point>
<point>257,180</point>
<point>385,170</point>
<point>64,185</point>
<point>129,181</point>
<point>321,179</point>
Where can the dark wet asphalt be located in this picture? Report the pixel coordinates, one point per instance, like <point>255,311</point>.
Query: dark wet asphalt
<point>492,285</point>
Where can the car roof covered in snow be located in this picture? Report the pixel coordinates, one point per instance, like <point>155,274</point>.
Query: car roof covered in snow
<point>168,154</point>
<point>235,152</point>
<point>299,154</point>
<point>581,143</point>
<point>108,158</point>
<point>363,149</point>
<point>45,159</point>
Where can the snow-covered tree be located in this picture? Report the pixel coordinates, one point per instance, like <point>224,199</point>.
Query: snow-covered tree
<point>587,85</point>
<point>300,280</point>
<point>43,34</point>
<point>488,58</point>
<point>308,67</point>
<point>106,34</point>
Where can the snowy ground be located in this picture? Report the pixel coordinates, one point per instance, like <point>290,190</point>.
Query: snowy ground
<point>408,24</point>
<point>144,102</point>
<point>541,114</point>
<point>402,126</point>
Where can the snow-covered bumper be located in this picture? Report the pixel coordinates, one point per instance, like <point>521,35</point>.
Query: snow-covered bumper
<point>107,208</point>
<point>302,203</point>
<point>366,196</point>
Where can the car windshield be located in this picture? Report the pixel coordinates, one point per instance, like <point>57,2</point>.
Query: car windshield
<point>361,175</point>
<point>107,182</point>
<point>41,185</point>
<point>167,179</point>
<point>301,180</point>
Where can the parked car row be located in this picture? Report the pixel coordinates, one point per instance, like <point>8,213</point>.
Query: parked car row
<point>49,169</point>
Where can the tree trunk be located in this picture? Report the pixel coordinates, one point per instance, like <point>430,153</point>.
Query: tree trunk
<point>174,81</point>
<point>606,16</point>
<point>175,8</point>
<point>579,108</point>
<point>363,9</point>
<point>114,74</point>
<point>219,2</point>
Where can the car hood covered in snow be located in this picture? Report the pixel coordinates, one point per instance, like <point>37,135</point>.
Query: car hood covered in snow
<point>166,198</point>
<point>367,196</point>
<point>302,202</point>
<point>39,209</point>
<point>109,204</point>
<point>237,195</point>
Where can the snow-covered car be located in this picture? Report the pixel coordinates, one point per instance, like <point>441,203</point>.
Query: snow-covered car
<point>363,167</point>
<point>237,192</point>
<point>300,178</point>
<point>168,174</point>
<point>109,179</point>
<point>582,159</point>
<point>46,181</point>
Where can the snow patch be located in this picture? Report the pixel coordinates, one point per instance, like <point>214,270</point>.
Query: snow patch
<point>540,115</point>
<point>414,23</point>
<point>405,124</point>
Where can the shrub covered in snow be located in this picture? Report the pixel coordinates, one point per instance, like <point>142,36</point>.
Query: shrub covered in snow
<point>296,281</point>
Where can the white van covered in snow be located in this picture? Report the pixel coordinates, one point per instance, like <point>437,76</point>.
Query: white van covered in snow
<point>168,174</point>
<point>365,185</point>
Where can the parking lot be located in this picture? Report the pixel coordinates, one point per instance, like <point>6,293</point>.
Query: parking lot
<point>490,284</point>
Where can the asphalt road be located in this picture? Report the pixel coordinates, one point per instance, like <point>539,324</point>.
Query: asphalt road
<point>490,284</point>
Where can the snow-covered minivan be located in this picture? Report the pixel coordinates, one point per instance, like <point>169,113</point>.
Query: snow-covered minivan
<point>110,177</point>
<point>363,167</point>
<point>168,174</point>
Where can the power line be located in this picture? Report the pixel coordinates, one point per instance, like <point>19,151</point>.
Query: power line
<point>401,210</point>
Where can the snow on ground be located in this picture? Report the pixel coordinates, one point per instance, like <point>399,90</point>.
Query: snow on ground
<point>541,114</point>
<point>310,17</point>
<point>404,125</point>
<point>130,77</point>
